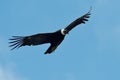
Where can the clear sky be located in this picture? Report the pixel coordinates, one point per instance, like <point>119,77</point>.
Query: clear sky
<point>91,51</point>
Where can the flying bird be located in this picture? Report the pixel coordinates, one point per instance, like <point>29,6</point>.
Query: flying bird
<point>54,38</point>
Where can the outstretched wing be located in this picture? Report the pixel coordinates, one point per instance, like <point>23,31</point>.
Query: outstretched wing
<point>37,39</point>
<point>78,21</point>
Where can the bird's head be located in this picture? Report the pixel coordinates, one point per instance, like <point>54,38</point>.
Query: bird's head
<point>64,32</point>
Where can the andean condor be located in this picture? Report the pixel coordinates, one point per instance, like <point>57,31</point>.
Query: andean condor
<point>54,38</point>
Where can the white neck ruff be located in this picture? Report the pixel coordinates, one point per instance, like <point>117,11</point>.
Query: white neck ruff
<point>62,32</point>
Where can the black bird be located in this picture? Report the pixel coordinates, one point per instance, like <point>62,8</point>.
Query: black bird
<point>54,38</point>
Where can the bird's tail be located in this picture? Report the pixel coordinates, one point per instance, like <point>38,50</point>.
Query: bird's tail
<point>50,49</point>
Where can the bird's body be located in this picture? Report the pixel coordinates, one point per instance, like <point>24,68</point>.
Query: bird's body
<point>54,38</point>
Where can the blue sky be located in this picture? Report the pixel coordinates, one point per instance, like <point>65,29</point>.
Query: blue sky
<point>89,52</point>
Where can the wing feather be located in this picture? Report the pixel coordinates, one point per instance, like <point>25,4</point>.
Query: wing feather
<point>37,39</point>
<point>78,21</point>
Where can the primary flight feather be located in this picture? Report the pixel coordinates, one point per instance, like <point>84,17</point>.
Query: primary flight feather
<point>54,38</point>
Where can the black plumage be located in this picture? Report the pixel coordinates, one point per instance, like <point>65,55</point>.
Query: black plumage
<point>54,38</point>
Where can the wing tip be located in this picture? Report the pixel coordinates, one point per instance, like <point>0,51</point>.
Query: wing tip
<point>16,42</point>
<point>89,12</point>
